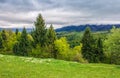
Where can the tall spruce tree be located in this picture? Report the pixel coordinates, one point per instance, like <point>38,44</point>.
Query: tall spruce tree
<point>40,35</point>
<point>22,47</point>
<point>51,35</point>
<point>98,51</point>
<point>87,48</point>
<point>51,39</point>
<point>100,54</point>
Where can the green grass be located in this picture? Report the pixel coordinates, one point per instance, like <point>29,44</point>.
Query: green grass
<point>26,67</point>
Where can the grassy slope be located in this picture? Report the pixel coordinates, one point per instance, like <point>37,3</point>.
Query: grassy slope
<point>21,67</point>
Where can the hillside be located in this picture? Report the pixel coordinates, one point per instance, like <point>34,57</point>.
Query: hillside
<point>82,27</point>
<point>24,67</point>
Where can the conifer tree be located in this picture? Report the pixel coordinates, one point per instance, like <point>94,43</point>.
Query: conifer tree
<point>100,50</point>
<point>4,36</point>
<point>1,43</point>
<point>40,35</point>
<point>51,39</point>
<point>16,48</point>
<point>16,32</point>
<point>23,45</point>
<point>87,48</point>
<point>51,35</point>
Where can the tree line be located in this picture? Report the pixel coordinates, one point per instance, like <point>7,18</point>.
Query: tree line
<point>42,42</point>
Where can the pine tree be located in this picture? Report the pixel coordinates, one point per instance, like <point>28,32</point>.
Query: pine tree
<point>4,36</point>
<point>16,49</point>
<point>16,32</point>
<point>24,43</point>
<point>100,53</point>
<point>51,35</point>
<point>87,48</point>
<point>97,51</point>
<point>1,43</point>
<point>40,35</point>
<point>51,39</point>
<point>23,46</point>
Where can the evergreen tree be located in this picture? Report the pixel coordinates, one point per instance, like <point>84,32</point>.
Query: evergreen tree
<point>16,32</point>
<point>1,43</point>
<point>4,36</point>
<point>51,39</point>
<point>39,34</point>
<point>23,45</point>
<point>51,35</point>
<point>100,50</point>
<point>87,48</point>
<point>16,49</point>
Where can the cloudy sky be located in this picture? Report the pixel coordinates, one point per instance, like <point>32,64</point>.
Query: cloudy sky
<point>20,13</point>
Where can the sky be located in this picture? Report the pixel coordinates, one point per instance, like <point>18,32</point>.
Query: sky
<point>23,13</point>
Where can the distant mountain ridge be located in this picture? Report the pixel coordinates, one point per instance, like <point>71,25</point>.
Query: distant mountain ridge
<point>93,27</point>
<point>74,28</point>
<point>14,29</point>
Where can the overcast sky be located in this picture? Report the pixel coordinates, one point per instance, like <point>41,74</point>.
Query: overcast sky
<point>20,13</point>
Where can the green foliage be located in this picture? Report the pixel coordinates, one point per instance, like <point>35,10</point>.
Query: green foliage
<point>40,52</point>
<point>4,35</point>
<point>77,55</point>
<point>23,46</point>
<point>51,39</point>
<point>73,38</point>
<point>8,40</point>
<point>17,31</point>
<point>63,51</point>
<point>92,49</point>
<point>12,38</point>
<point>99,55</point>
<point>88,47</point>
<point>112,46</point>
<point>51,35</point>
<point>39,34</point>
<point>61,48</point>
<point>44,38</point>
<point>1,43</point>
<point>16,49</point>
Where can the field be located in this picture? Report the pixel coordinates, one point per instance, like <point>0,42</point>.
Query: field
<point>28,67</point>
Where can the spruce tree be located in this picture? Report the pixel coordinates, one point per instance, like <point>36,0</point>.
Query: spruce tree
<point>16,48</point>
<point>1,43</point>
<point>87,48</point>
<point>23,46</point>
<point>24,43</point>
<point>51,39</point>
<point>40,35</point>
<point>16,32</point>
<point>4,36</point>
<point>51,35</point>
<point>100,53</point>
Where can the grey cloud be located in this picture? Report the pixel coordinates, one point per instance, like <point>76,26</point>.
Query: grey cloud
<point>61,12</point>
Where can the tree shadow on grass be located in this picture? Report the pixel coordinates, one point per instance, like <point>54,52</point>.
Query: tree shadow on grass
<point>118,66</point>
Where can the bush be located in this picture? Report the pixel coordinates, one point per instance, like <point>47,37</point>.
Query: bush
<point>40,52</point>
<point>115,58</point>
<point>112,46</point>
